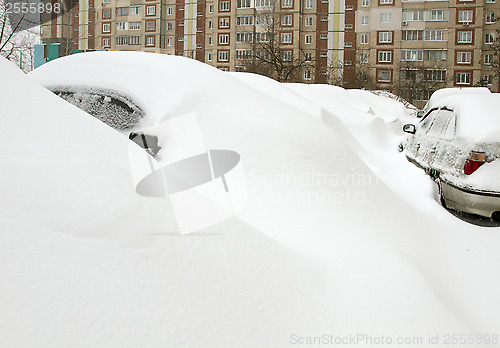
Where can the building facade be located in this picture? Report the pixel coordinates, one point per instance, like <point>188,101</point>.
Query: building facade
<point>226,34</point>
<point>422,45</point>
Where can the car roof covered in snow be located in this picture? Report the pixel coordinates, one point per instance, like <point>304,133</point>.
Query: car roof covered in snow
<point>478,114</point>
<point>142,77</point>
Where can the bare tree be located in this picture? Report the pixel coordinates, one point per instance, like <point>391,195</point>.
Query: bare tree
<point>272,54</point>
<point>418,81</point>
<point>17,36</point>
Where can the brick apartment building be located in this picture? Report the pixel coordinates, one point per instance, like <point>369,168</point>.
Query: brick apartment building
<point>225,34</point>
<point>447,43</point>
<point>444,43</point>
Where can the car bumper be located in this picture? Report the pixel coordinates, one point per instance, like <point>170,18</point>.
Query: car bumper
<point>481,203</point>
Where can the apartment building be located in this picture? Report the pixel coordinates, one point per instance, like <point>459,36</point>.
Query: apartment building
<point>73,29</point>
<point>439,43</point>
<point>222,33</point>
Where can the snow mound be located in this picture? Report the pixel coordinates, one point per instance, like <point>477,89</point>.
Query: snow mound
<point>322,245</point>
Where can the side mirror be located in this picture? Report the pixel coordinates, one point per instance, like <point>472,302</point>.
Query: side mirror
<point>409,128</point>
<point>420,114</point>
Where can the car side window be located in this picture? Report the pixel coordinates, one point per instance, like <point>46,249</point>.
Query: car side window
<point>451,127</point>
<point>427,121</point>
<point>439,126</point>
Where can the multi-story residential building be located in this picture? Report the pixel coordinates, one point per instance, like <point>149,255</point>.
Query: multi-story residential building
<point>225,34</point>
<point>431,43</point>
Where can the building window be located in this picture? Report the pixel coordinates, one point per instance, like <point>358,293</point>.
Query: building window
<point>323,36</point>
<point>384,76</point>
<point>365,3</point>
<point>435,75</point>
<point>244,54</point>
<point>121,25</point>
<point>210,25</point>
<point>244,20</point>
<point>106,27</point>
<point>436,55</point>
<point>363,58</point>
<point>150,25</point>
<point>438,15</point>
<point>150,10</point>
<point>465,16</point>
<point>243,4</point>
<point>122,11</point>
<point>386,17</point>
<point>490,18</point>
<point>223,56</point>
<point>224,6</point>
<point>287,56</point>
<point>223,39</point>
<point>464,36</point>
<point>308,39</point>
<point>488,79</point>
<point>286,38</point>
<point>434,35</point>
<point>106,42</point>
<point>246,37</point>
<point>264,4</point>
<point>307,75</point>
<point>364,20</point>
<point>134,25</point>
<point>309,4</point>
<point>209,56</point>
<point>135,10</point>
<point>412,55</point>
<point>385,37</point>
<point>224,22</point>
<point>489,38</point>
<point>150,41</point>
<point>463,78</point>
<point>168,42</point>
<point>210,8</point>
<point>286,20</point>
<point>210,41</point>
<point>309,21</point>
<point>385,56</point>
<point>413,16</point>
<point>106,13</point>
<point>286,3</point>
<point>385,2</point>
<point>169,26</point>
<point>170,11</point>
<point>411,35</point>
<point>464,57</point>
<point>488,59</point>
<point>363,39</point>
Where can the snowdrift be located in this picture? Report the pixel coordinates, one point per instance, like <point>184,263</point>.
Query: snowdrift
<point>328,242</point>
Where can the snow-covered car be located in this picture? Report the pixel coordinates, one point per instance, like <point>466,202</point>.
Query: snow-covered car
<point>457,142</point>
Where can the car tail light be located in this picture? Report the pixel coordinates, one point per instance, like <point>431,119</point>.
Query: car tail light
<point>475,160</point>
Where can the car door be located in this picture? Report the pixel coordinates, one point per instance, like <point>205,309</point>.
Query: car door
<point>441,135</point>
<point>421,144</point>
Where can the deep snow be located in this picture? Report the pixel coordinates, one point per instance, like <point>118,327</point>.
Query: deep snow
<point>339,235</point>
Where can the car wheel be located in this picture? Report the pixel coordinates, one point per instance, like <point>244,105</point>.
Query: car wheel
<point>440,192</point>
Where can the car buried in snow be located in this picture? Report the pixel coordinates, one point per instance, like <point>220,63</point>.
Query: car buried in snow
<point>457,142</point>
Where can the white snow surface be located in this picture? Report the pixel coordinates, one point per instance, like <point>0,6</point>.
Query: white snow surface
<point>478,118</point>
<point>340,234</point>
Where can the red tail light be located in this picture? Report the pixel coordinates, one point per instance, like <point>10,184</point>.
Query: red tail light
<point>476,160</point>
